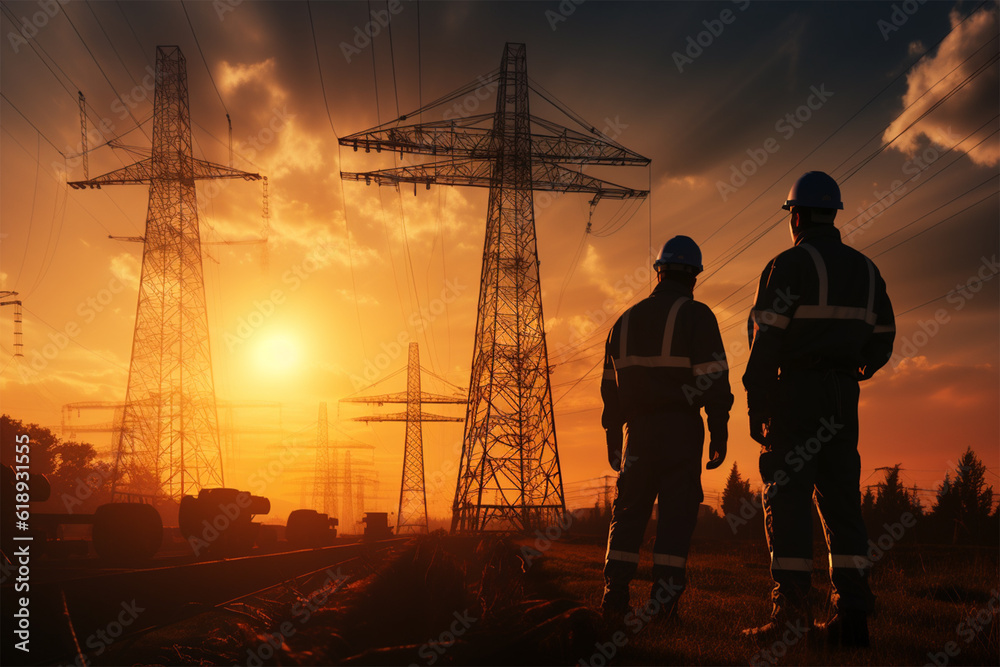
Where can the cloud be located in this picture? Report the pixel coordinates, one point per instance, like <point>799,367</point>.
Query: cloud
<point>958,58</point>
<point>125,267</point>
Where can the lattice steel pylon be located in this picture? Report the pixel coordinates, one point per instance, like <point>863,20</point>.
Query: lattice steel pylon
<point>509,477</point>
<point>169,442</point>
<point>412,514</point>
<point>324,495</point>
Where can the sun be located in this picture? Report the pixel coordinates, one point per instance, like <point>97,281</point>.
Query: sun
<point>277,354</point>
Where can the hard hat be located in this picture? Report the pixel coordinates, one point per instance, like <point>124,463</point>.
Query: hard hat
<point>680,253</point>
<point>814,189</point>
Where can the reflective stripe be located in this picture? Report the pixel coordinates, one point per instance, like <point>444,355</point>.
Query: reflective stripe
<point>668,560</point>
<point>668,329</point>
<point>871,285</point>
<point>885,328</point>
<point>796,564</point>
<point>850,562</point>
<point>835,313</point>
<point>822,310</point>
<point>709,367</point>
<point>628,557</point>
<point>623,334</point>
<point>820,273</point>
<point>664,359</point>
<point>655,362</point>
<point>769,318</point>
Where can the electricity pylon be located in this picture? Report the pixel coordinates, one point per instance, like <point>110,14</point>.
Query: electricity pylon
<point>509,477</point>
<point>18,346</point>
<point>169,441</point>
<point>412,514</point>
<point>324,474</point>
<point>324,496</point>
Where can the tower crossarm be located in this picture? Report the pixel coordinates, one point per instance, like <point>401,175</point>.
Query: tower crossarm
<point>137,173</point>
<point>400,397</point>
<point>143,172</point>
<point>477,173</point>
<point>457,137</point>
<point>401,417</point>
<point>203,169</point>
<point>462,139</point>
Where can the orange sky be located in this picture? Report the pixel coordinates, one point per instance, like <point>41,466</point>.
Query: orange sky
<point>327,309</point>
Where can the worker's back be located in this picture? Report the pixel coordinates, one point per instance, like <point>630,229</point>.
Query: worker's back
<point>827,303</point>
<point>665,354</point>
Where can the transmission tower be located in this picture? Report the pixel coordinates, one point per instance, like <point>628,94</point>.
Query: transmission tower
<point>349,520</point>
<point>18,346</point>
<point>265,231</point>
<point>324,496</point>
<point>412,514</point>
<point>509,477</point>
<point>169,441</point>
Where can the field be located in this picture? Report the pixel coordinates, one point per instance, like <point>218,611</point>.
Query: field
<point>454,600</point>
<point>925,596</point>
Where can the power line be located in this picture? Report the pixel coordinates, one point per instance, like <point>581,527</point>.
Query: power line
<point>343,197</point>
<point>890,193</point>
<point>913,236</point>
<point>54,178</point>
<point>75,341</point>
<point>852,172</point>
<point>29,121</point>
<point>31,217</point>
<point>844,124</point>
<point>203,59</point>
<point>138,41</point>
<point>99,67</point>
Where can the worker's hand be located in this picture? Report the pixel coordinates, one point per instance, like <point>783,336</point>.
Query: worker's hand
<point>717,453</point>
<point>760,426</point>
<point>614,438</point>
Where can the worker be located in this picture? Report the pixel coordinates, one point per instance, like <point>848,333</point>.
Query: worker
<point>664,361</point>
<point>821,322</point>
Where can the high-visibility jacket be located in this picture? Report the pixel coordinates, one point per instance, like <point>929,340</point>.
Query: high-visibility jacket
<point>819,304</point>
<point>663,355</point>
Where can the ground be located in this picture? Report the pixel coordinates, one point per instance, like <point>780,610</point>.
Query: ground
<point>925,598</point>
<point>465,600</point>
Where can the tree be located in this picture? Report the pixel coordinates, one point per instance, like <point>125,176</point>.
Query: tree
<point>43,444</point>
<point>736,490</point>
<point>740,505</point>
<point>78,481</point>
<point>964,503</point>
<point>893,498</point>
<point>889,502</point>
<point>868,505</point>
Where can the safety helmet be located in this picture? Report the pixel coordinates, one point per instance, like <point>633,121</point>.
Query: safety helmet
<point>680,253</point>
<point>814,189</point>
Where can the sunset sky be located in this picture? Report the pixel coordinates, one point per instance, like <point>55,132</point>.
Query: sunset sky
<point>730,101</point>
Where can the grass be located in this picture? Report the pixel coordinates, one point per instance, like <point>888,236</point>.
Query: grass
<point>923,595</point>
<point>464,600</point>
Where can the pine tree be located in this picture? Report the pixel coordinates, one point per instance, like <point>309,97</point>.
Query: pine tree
<point>736,490</point>
<point>964,503</point>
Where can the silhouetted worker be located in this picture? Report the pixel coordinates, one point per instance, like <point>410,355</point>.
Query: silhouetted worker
<point>664,361</point>
<point>821,322</point>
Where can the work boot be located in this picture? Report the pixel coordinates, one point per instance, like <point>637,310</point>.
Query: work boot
<point>615,605</point>
<point>664,602</point>
<point>787,624</point>
<point>846,629</point>
<point>661,615</point>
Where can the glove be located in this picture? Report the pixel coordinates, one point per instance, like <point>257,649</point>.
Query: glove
<point>716,452</point>
<point>760,425</point>
<point>614,438</point>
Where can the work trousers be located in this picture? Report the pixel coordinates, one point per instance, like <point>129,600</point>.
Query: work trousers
<point>662,461</point>
<point>812,454</point>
